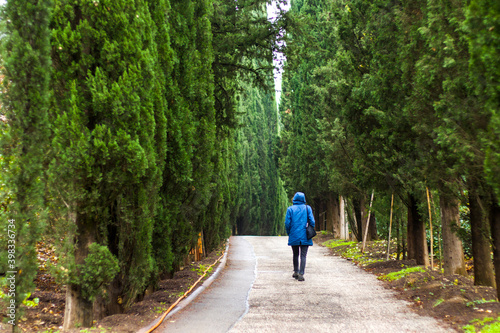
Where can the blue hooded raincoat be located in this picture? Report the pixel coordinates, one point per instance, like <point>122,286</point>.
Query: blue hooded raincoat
<point>296,221</point>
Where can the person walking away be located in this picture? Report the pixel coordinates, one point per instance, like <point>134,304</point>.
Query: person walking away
<point>295,224</point>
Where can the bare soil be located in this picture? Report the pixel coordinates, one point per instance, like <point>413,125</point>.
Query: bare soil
<point>453,300</point>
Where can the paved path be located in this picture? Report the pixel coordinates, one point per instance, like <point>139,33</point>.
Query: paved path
<point>224,301</point>
<point>336,296</point>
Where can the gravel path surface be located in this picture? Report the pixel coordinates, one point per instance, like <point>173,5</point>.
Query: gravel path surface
<point>336,296</point>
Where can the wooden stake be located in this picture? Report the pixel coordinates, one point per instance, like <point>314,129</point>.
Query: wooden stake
<point>440,236</point>
<point>430,226</point>
<point>390,227</point>
<point>399,251</point>
<point>367,223</point>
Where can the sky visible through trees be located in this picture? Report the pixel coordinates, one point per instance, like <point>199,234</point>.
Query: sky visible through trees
<point>279,58</point>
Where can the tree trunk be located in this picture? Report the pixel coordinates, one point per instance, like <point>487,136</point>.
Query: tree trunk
<point>318,206</point>
<point>358,215</point>
<point>453,254</point>
<point>321,214</point>
<point>495,233</point>
<point>372,228</point>
<point>417,240</point>
<point>344,230</point>
<point>404,237</point>
<point>398,250</point>
<point>115,294</point>
<point>79,311</point>
<point>410,240</point>
<point>364,219</point>
<point>481,247</point>
<point>333,215</point>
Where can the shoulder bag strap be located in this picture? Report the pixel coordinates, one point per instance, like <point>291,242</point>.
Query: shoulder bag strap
<point>307,216</point>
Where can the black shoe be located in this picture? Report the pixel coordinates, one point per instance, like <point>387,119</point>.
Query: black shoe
<point>300,277</point>
<point>295,275</point>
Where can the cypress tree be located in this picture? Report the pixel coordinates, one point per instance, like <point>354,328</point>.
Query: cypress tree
<point>302,158</point>
<point>187,183</point>
<point>104,170</point>
<point>243,42</point>
<point>260,203</point>
<point>318,108</point>
<point>398,111</point>
<point>483,25</point>
<point>24,141</point>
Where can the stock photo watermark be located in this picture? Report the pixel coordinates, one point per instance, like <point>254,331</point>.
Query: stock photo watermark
<point>11,273</point>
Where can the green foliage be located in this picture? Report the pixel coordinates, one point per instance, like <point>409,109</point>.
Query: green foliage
<point>438,302</point>
<point>202,269</point>
<point>108,114</point>
<point>401,274</point>
<point>185,190</point>
<point>243,43</point>
<point>483,25</point>
<point>483,326</point>
<point>351,250</point>
<point>303,165</point>
<point>121,123</point>
<point>332,243</point>
<point>24,137</point>
<point>377,95</point>
<point>29,303</point>
<point>260,199</point>
<point>491,328</point>
<point>480,301</point>
<point>464,231</point>
<point>159,309</point>
<point>99,269</point>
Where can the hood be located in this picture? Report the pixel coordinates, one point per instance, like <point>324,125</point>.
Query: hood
<point>299,198</point>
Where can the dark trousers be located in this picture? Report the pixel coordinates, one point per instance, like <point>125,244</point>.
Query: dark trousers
<point>302,251</point>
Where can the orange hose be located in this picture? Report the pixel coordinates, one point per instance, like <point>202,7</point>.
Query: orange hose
<point>183,296</point>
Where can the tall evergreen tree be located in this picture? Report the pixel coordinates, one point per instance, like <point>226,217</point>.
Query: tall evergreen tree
<point>187,184</point>
<point>388,90</point>
<point>243,42</point>
<point>483,23</point>
<point>25,135</point>
<point>303,163</point>
<point>259,202</point>
<point>449,116</point>
<point>104,171</point>
<point>143,118</point>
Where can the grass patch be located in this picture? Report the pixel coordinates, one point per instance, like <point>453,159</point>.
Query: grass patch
<point>351,250</point>
<point>401,274</point>
<point>201,269</point>
<point>478,325</point>
<point>333,243</point>
<point>369,261</point>
<point>439,301</point>
<point>480,301</point>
